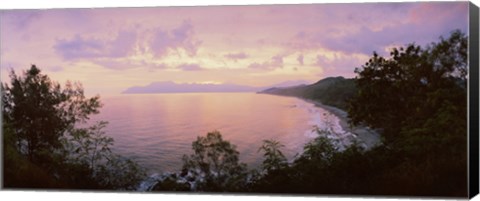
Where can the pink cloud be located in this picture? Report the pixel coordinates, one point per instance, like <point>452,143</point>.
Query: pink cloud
<point>339,65</point>
<point>21,19</point>
<point>55,68</point>
<point>275,62</point>
<point>123,65</point>
<point>104,36</point>
<point>443,12</point>
<point>236,56</point>
<point>178,38</point>
<point>300,59</point>
<point>80,47</point>
<point>190,67</point>
<point>354,31</point>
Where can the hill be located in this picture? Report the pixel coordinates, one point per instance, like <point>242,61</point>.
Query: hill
<point>333,91</point>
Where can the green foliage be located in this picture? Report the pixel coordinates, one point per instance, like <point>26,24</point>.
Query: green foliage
<point>333,91</point>
<point>449,56</point>
<point>171,183</point>
<point>274,158</point>
<point>321,168</point>
<point>215,163</point>
<point>40,120</point>
<point>324,169</point>
<point>19,172</point>
<point>418,98</point>
<point>30,110</point>
<point>39,112</point>
<point>89,147</point>
<point>119,173</point>
<point>411,86</point>
<point>318,150</point>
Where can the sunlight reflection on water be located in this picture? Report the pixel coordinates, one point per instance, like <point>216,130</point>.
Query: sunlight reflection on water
<point>157,129</point>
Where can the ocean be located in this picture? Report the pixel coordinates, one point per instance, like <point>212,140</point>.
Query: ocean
<point>156,130</point>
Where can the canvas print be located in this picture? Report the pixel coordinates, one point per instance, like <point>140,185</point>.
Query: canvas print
<point>364,99</point>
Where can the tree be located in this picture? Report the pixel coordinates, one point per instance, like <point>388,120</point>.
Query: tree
<point>90,147</point>
<point>411,86</point>
<point>417,98</point>
<point>215,163</point>
<point>274,158</point>
<point>119,173</point>
<point>43,122</point>
<point>39,112</point>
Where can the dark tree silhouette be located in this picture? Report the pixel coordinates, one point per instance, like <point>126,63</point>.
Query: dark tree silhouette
<point>43,121</point>
<point>215,163</point>
<point>418,100</point>
<point>412,86</point>
<point>274,158</point>
<point>39,112</point>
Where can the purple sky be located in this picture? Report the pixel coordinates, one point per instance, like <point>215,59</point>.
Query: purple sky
<point>109,50</point>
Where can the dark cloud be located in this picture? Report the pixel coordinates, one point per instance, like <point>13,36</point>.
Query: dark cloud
<point>236,56</point>
<point>178,38</point>
<point>275,62</point>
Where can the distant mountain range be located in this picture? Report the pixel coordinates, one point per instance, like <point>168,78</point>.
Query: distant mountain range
<point>172,87</point>
<point>334,91</point>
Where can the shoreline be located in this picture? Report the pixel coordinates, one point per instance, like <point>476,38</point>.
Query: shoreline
<point>366,135</point>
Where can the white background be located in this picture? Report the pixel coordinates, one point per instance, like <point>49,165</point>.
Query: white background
<point>42,195</point>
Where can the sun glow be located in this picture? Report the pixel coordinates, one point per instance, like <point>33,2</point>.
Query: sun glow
<point>110,51</point>
<point>201,82</point>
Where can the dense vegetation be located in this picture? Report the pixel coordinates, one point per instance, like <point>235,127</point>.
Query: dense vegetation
<point>416,99</point>
<point>47,143</point>
<point>334,91</point>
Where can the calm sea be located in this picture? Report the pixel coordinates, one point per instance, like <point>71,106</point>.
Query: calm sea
<point>156,130</point>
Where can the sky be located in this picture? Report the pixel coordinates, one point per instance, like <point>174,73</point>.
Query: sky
<point>111,49</point>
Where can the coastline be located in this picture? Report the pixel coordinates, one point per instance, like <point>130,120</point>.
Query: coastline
<point>366,135</point>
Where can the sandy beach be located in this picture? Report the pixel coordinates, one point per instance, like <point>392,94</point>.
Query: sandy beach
<point>366,135</point>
